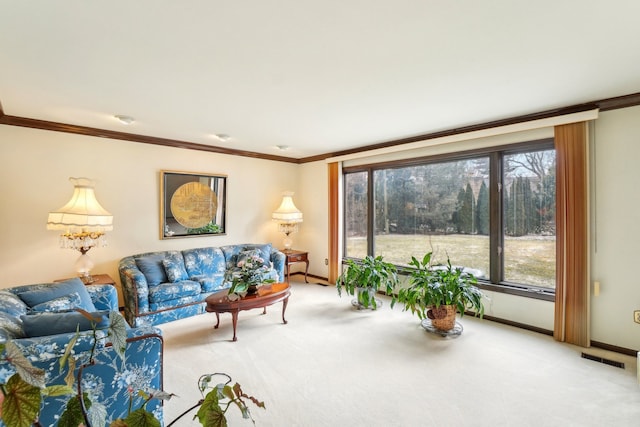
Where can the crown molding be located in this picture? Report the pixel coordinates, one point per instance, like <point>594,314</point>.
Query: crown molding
<point>602,105</point>
<point>144,139</point>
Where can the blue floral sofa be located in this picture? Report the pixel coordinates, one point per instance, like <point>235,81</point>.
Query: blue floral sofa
<point>163,286</point>
<point>40,319</point>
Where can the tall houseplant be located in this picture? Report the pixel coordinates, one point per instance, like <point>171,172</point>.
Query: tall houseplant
<point>364,278</point>
<point>439,292</point>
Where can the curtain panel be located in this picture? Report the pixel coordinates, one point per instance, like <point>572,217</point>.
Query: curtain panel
<point>571,322</point>
<point>334,218</point>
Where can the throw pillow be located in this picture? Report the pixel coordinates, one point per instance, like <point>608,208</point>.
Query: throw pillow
<point>55,290</point>
<point>152,268</point>
<point>63,303</point>
<point>43,324</point>
<point>175,270</point>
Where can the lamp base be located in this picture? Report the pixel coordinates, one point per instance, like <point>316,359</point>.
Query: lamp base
<point>287,242</point>
<point>87,278</point>
<point>83,265</point>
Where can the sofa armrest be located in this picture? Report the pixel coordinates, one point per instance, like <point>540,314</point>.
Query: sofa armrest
<point>111,381</point>
<point>104,297</point>
<point>278,259</point>
<point>135,289</point>
<point>52,347</point>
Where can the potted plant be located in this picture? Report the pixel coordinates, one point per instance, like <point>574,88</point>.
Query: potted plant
<point>364,278</point>
<point>439,292</point>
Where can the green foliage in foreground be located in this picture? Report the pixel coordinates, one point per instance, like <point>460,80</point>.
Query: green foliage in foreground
<point>23,393</point>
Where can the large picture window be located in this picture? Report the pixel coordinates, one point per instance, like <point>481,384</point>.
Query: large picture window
<point>355,224</point>
<point>445,205</point>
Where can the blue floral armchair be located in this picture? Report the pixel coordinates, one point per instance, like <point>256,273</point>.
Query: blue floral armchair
<point>111,381</point>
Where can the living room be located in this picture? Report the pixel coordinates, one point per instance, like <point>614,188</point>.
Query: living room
<point>38,162</point>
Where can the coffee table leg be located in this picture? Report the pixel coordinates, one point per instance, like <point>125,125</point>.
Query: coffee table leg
<point>234,317</point>
<point>218,321</point>
<point>284,307</point>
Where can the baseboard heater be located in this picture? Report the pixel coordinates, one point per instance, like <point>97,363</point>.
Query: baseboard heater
<point>603,360</point>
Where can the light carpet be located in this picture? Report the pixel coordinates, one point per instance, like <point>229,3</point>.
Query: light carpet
<point>333,365</point>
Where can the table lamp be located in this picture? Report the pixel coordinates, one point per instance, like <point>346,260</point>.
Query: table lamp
<point>83,222</point>
<point>288,218</point>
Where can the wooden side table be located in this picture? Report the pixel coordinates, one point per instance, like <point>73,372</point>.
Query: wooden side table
<point>294,256</point>
<point>98,279</point>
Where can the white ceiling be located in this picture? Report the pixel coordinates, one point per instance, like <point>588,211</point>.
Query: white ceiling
<point>317,76</point>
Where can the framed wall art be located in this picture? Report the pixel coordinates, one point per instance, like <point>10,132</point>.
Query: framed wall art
<point>192,204</point>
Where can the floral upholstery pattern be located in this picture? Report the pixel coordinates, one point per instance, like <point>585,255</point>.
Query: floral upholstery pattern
<point>174,267</point>
<point>153,297</point>
<point>63,303</point>
<point>110,381</point>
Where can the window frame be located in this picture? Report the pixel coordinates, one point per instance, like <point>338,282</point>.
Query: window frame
<point>496,230</point>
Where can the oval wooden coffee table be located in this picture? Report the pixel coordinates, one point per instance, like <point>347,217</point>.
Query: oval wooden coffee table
<point>267,295</point>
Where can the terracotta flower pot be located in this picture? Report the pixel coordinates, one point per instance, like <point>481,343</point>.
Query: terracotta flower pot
<point>444,317</point>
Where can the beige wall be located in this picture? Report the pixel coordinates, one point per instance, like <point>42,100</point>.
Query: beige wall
<point>615,219</point>
<point>312,199</point>
<point>34,179</point>
<point>34,176</point>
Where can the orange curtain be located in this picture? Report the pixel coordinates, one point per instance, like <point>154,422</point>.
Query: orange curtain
<point>333,171</point>
<point>571,322</point>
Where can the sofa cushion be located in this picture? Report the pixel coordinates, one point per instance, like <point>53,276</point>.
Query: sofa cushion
<point>210,283</point>
<point>152,268</point>
<point>174,268</point>
<point>204,262</point>
<point>63,303</point>
<point>11,304</point>
<point>42,324</point>
<point>170,291</point>
<point>51,291</point>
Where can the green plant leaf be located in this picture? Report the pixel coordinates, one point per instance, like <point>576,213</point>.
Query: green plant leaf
<point>67,352</point>
<point>29,373</point>
<point>142,418</point>
<point>118,333</point>
<point>72,415</point>
<point>58,390</point>
<point>70,378</point>
<point>97,414</point>
<point>21,404</point>
<point>161,395</point>
<point>210,414</point>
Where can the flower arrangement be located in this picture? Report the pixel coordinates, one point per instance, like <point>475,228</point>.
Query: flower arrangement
<point>250,272</point>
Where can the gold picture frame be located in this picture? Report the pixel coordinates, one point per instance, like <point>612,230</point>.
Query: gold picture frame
<point>192,204</point>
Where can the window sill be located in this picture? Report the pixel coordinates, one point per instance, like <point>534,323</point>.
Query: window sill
<point>518,290</point>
